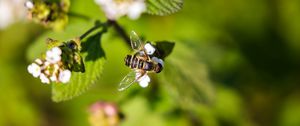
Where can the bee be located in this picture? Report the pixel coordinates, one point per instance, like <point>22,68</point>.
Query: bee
<point>73,60</point>
<point>141,62</point>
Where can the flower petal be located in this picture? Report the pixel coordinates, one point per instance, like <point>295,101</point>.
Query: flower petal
<point>53,78</point>
<point>44,79</point>
<point>149,49</point>
<point>30,69</point>
<point>64,76</point>
<point>34,69</point>
<point>114,9</point>
<point>56,50</point>
<point>144,81</point>
<point>136,9</point>
<point>53,55</point>
<point>29,4</point>
<point>38,61</point>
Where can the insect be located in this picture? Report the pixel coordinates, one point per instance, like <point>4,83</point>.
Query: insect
<point>141,62</point>
<point>72,58</point>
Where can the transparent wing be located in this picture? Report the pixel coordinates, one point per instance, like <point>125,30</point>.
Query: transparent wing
<point>136,42</point>
<point>127,81</point>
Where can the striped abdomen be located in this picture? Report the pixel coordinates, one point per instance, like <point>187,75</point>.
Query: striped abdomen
<point>136,63</point>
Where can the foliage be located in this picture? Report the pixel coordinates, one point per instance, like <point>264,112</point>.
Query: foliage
<point>164,48</point>
<point>226,63</point>
<point>94,61</point>
<point>163,7</point>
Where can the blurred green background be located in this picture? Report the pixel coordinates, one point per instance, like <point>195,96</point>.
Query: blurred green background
<point>235,63</point>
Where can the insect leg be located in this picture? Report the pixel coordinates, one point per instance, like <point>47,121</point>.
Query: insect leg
<point>143,72</point>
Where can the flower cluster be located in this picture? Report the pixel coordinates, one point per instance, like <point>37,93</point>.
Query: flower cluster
<point>104,114</point>
<point>115,9</point>
<point>145,79</point>
<point>51,68</point>
<point>48,13</point>
<point>11,11</point>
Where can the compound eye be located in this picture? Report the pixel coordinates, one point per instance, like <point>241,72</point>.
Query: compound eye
<point>159,68</point>
<point>72,45</point>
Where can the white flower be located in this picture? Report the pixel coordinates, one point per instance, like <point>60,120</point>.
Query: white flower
<point>44,79</point>
<point>46,64</point>
<point>160,61</point>
<point>114,9</point>
<point>34,69</point>
<point>149,49</point>
<point>135,10</point>
<point>11,11</point>
<point>53,55</point>
<point>64,76</point>
<point>144,80</point>
<point>53,78</point>
<point>6,17</point>
<point>29,4</point>
<point>38,61</point>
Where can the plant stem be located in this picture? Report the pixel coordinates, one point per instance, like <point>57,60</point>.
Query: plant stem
<point>112,23</point>
<point>120,30</point>
<point>77,15</point>
<point>97,25</point>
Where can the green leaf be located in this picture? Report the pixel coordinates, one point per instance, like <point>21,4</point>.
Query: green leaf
<point>94,58</point>
<point>164,48</point>
<point>186,77</point>
<point>163,7</point>
<point>92,54</point>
